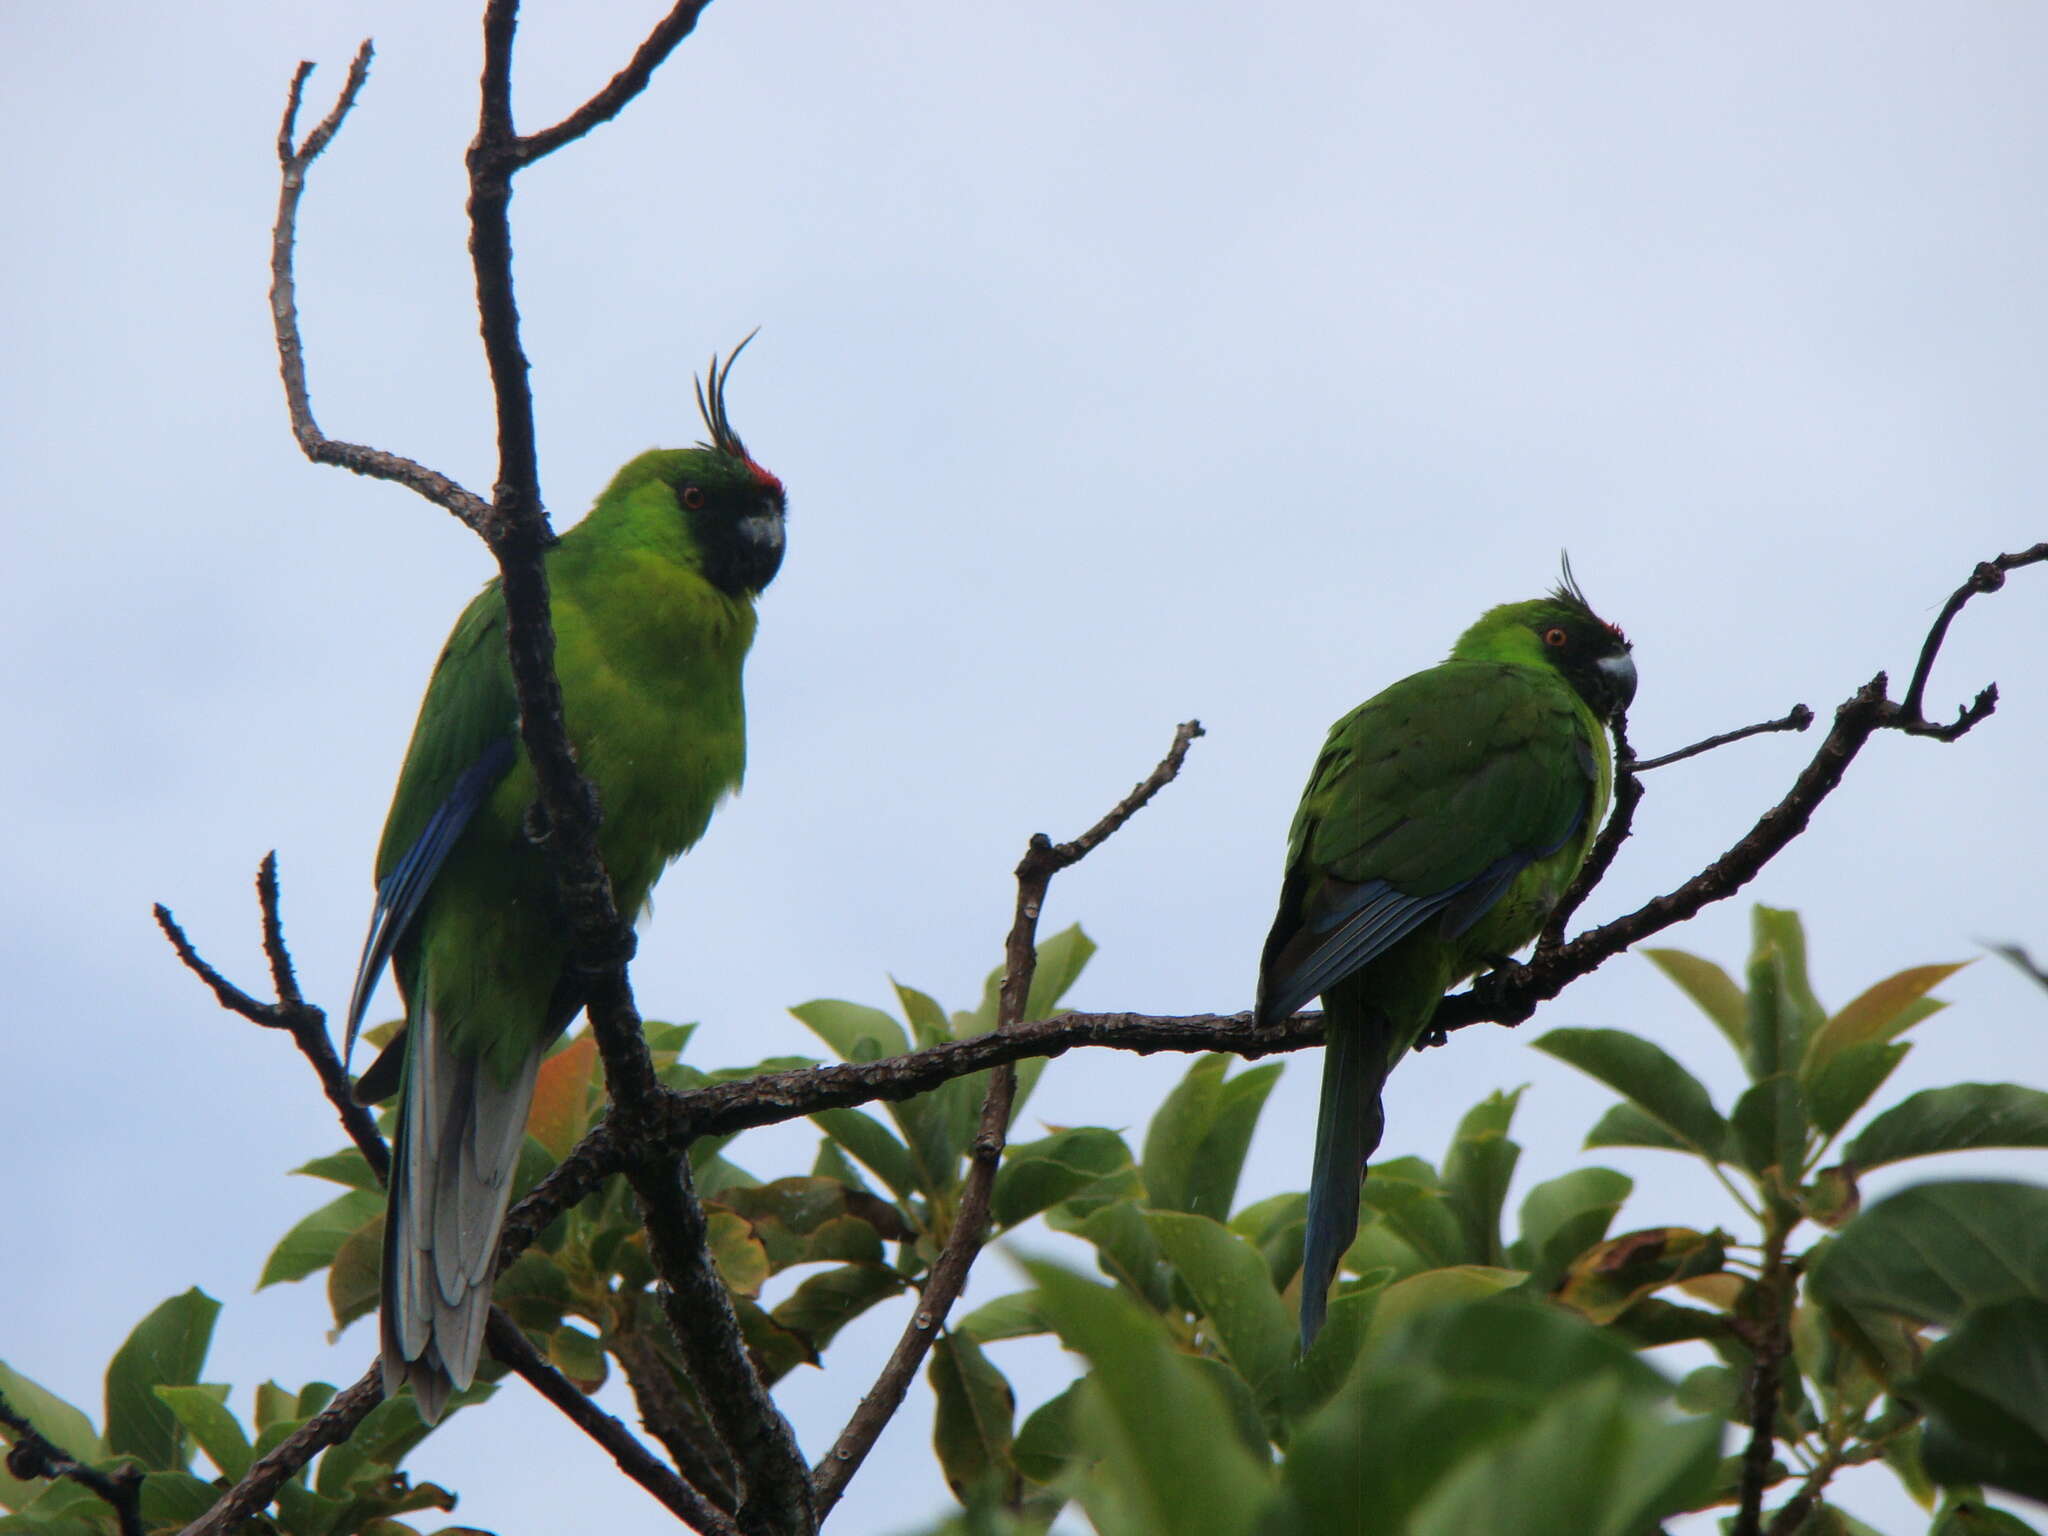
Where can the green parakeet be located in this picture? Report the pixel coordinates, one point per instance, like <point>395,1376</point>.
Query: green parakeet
<point>653,602</point>
<point>1443,821</point>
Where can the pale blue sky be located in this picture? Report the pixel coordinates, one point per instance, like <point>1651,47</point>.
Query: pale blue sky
<point>1124,362</point>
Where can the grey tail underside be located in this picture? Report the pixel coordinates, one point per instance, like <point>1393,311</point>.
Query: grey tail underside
<point>1347,1132</point>
<point>459,1138</point>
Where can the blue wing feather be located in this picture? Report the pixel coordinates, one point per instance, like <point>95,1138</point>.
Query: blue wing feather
<point>400,893</point>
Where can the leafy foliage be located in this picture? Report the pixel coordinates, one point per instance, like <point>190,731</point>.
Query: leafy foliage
<point>1482,1368</point>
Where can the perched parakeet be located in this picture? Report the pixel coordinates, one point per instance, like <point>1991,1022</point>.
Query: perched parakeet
<point>1443,821</point>
<point>653,601</point>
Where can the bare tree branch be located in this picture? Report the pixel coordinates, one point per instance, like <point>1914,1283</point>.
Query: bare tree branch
<point>774,1501</point>
<point>1042,860</point>
<point>1798,718</point>
<point>306,1024</point>
<point>276,1467</point>
<point>284,313</point>
<point>1770,1344</point>
<point>32,1458</point>
<point>668,1413</point>
<point>621,89</point>
<point>308,1028</point>
<point>1988,577</point>
<point>678,1497</point>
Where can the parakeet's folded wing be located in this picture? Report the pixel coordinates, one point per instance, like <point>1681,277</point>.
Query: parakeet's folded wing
<point>1427,801</point>
<point>466,741</point>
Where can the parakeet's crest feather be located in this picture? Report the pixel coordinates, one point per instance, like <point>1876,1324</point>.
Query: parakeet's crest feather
<point>1572,595</point>
<point>711,403</point>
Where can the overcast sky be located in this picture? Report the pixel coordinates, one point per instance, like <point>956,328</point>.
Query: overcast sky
<point>1125,363</point>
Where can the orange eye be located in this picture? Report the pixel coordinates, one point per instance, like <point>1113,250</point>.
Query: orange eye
<point>1555,637</point>
<point>693,497</point>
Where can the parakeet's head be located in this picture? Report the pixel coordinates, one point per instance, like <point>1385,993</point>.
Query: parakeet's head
<point>731,509</point>
<point>1560,631</point>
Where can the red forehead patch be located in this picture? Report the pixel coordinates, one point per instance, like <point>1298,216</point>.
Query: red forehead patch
<point>762,478</point>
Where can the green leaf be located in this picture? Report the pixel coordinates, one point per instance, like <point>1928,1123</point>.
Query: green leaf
<point>1882,1013</point>
<point>1589,1463</point>
<point>352,1279</point>
<point>1448,1385</point>
<point>579,1356</point>
<point>802,1220</point>
<point>313,1243</point>
<point>1172,1460</point>
<point>1626,1126</point>
<point>166,1349</point>
<point>1649,1078</point>
<point>1061,959</point>
<point>1936,1251</point>
<point>832,1163</point>
<point>1477,1169</point>
<point>741,1257</point>
<point>1973,1517</point>
<point>1330,1360</point>
<point>173,1500</point>
<point>1047,1441</point>
<point>928,1024</point>
<point>972,1423</point>
<point>566,1094</point>
<point>274,1405</point>
<point>1014,1316</point>
<point>1718,1390</point>
<point>1770,1118</point>
<point>872,1144</point>
<point>1405,1193</point>
<point>204,1414</point>
<point>1954,1119</point>
<point>1712,988</point>
<point>1436,1290</point>
<point>1126,1249</point>
<point>1758,1123</point>
<point>1986,1388</point>
<point>55,1420</point>
<point>1844,1082</point>
<point>1195,1146</point>
<point>1609,1279</point>
<point>817,1309</point>
<point>1219,1158</point>
<point>853,1031</point>
<point>1036,1175</point>
<point>1799,1012</point>
<point>348,1166</point>
<point>1242,1311</point>
<point>1563,1217</point>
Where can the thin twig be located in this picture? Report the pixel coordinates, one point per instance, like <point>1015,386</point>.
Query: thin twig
<point>1767,1363</point>
<point>1628,794</point>
<point>668,1413</point>
<point>306,1024</point>
<point>1989,576</point>
<point>295,160</point>
<point>31,1457</point>
<point>699,1312</point>
<point>308,1028</point>
<point>276,1467</point>
<point>942,1287</point>
<point>622,87</point>
<point>678,1497</point>
<point>1798,718</point>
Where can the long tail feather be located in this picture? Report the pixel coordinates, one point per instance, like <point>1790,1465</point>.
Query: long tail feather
<point>460,1133</point>
<point>1347,1131</point>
